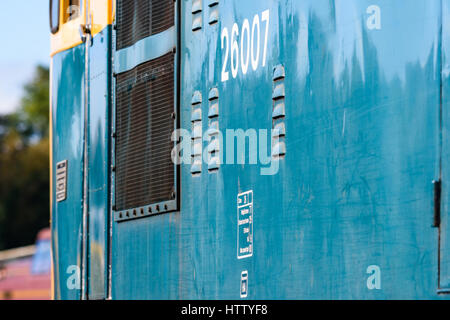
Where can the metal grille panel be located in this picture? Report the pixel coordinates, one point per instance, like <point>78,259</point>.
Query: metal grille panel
<point>144,105</point>
<point>138,19</point>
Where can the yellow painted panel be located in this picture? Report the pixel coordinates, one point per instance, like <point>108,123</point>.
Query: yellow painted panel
<point>73,15</point>
<point>68,35</point>
<point>71,9</point>
<point>102,13</point>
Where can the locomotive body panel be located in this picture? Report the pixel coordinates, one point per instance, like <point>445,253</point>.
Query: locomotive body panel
<point>357,90</point>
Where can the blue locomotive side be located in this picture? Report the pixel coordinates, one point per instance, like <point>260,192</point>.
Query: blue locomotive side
<point>314,163</point>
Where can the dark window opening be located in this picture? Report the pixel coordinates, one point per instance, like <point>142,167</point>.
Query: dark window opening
<point>54,16</point>
<point>72,10</point>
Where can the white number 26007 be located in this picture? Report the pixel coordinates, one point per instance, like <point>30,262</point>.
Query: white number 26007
<point>250,41</point>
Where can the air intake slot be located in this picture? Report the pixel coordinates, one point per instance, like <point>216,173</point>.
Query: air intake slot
<point>144,171</point>
<point>138,19</point>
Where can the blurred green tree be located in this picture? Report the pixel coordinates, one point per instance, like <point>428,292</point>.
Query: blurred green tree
<point>24,165</point>
<point>33,113</point>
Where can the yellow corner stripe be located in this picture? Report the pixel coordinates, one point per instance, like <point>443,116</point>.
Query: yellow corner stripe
<point>102,13</point>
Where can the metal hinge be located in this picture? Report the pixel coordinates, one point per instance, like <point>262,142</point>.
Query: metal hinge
<point>84,30</point>
<point>437,203</point>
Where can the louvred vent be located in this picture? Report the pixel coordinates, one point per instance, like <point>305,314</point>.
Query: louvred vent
<point>144,125</point>
<point>138,19</point>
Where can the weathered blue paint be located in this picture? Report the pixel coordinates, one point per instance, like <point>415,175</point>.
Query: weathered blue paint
<point>67,87</point>
<point>363,145</point>
<point>362,123</point>
<point>98,159</point>
<point>444,276</point>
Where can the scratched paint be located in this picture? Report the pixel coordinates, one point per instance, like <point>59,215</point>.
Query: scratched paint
<point>99,163</point>
<point>363,142</point>
<point>67,70</point>
<point>349,194</point>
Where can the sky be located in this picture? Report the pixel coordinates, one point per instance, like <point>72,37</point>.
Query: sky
<point>24,43</point>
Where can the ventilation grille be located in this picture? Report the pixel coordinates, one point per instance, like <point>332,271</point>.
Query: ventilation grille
<point>138,19</point>
<point>144,123</point>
